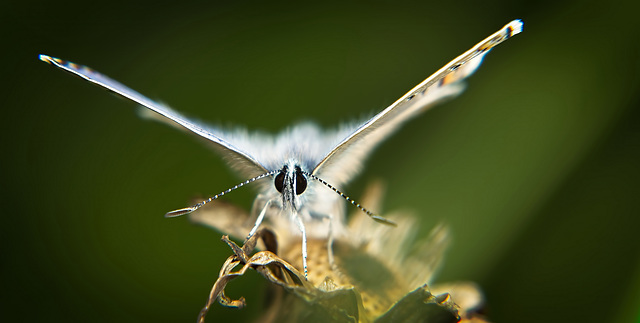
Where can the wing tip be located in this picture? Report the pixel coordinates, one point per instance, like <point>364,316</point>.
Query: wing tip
<point>53,60</point>
<point>515,27</point>
<point>46,58</point>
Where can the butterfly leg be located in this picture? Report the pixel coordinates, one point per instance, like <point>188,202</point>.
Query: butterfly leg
<point>259,219</point>
<point>304,244</point>
<point>258,204</point>
<point>329,220</point>
<point>330,244</point>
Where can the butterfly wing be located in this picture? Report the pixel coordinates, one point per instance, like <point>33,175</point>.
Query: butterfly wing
<point>346,158</point>
<point>239,159</point>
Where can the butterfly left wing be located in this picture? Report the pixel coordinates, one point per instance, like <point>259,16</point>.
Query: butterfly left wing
<point>238,158</point>
<point>346,158</point>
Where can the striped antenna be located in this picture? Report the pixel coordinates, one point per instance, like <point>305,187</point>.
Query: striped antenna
<point>375,217</point>
<point>190,209</point>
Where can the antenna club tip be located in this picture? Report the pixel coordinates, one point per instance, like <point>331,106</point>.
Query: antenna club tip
<point>382,220</point>
<point>179,212</point>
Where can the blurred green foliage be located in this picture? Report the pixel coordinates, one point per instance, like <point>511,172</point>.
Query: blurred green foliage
<point>535,166</point>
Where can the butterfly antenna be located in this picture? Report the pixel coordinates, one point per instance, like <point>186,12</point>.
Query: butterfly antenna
<point>190,209</point>
<point>375,217</point>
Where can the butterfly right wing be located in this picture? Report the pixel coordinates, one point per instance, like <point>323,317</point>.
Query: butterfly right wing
<point>346,158</point>
<point>239,159</point>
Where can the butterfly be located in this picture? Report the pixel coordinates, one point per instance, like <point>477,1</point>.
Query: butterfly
<point>305,164</point>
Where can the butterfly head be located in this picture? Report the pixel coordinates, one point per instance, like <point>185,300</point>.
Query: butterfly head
<point>290,181</point>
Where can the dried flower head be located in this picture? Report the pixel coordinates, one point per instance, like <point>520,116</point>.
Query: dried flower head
<point>369,273</point>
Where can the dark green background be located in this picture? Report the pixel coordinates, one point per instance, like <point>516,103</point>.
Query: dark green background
<point>534,167</point>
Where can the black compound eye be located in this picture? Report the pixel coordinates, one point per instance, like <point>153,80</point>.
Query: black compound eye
<point>279,182</point>
<point>301,181</point>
